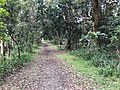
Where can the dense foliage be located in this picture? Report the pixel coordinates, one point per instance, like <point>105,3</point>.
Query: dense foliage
<point>92,27</point>
<point>18,33</point>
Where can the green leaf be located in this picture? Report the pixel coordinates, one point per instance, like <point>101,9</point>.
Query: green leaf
<point>2,2</point>
<point>3,12</point>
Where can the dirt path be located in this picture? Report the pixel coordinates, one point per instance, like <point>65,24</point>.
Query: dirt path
<point>45,72</point>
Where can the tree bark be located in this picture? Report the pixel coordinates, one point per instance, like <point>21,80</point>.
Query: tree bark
<point>96,15</point>
<point>18,48</point>
<point>2,47</point>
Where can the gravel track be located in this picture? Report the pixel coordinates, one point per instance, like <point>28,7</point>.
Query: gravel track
<point>46,72</point>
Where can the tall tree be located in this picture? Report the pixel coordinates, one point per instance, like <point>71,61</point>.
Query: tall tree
<point>96,15</point>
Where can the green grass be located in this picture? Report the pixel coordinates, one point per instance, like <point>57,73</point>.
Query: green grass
<point>81,66</point>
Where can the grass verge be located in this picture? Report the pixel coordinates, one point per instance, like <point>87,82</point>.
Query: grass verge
<point>81,66</point>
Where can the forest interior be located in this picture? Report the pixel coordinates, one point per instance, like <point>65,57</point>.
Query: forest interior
<point>59,44</point>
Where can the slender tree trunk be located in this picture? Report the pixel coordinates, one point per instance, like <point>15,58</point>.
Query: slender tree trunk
<point>68,43</point>
<point>18,48</point>
<point>19,54</point>
<point>9,49</point>
<point>85,22</point>
<point>2,47</point>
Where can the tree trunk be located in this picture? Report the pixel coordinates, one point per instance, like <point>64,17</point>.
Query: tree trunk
<point>2,47</point>
<point>68,47</point>
<point>18,48</point>
<point>96,15</point>
<point>9,49</point>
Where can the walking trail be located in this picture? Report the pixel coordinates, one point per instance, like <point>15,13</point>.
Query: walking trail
<point>47,72</point>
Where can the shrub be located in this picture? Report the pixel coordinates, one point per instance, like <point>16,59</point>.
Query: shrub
<point>8,66</point>
<point>108,62</point>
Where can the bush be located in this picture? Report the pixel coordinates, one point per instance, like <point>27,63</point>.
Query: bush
<point>113,69</point>
<point>8,66</point>
<point>108,63</point>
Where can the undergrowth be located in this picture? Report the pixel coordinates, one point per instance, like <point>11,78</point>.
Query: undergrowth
<point>82,66</point>
<point>9,66</point>
<point>109,63</point>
